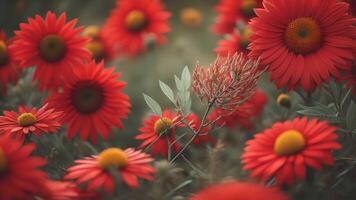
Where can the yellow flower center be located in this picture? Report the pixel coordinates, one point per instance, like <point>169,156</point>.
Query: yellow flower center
<point>96,48</point>
<point>135,21</point>
<point>191,17</point>
<point>162,125</point>
<point>247,7</point>
<point>303,35</point>
<point>3,53</point>
<point>87,97</point>
<point>245,38</point>
<point>52,48</point>
<point>112,157</point>
<point>26,119</point>
<point>91,31</point>
<point>3,161</point>
<point>284,100</point>
<point>289,142</point>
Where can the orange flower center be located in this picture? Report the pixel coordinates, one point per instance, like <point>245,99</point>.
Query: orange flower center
<point>191,17</point>
<point>162,125</point>
<point>112,157</point>
<point>289,142</point>
<point>52,48</point>
<point>87,97</point>
<point>91,31</point>
<point>303,35</point>
<point>97,50</point>
<point>284,100</point>
<point>135,20</point>
<point>247,7</point>
<point>26,119</point>
<point>3,53</point>
<point>245,38</point>
<point>3,161</point>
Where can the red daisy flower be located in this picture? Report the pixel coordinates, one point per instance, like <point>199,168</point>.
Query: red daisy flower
<point>287,149</point>
<point>8,67</point>
<point>99,46</point>
<point>204,137</point>
<point>52,45</point>
<point>94,170</point>
<point>132,23</point>
<point>234,43</point>
<point>92,101</point>
<point>233,190</point>
<point>243,115</point>
<point>30,120</point>
<point>232,11</point>
<point>20,177</point>
<point>303,42</point>
<point>158,131</point>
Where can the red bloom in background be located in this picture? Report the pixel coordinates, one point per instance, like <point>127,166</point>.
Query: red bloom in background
<point>20,177</point>
<point>243,115</point>
<point>94,170</point>
<point>92,101</point>
<point>232,11</point>
<point>204,137</point>
<point>132,23</point>
<point>57,190</point>
<point>99,46</point>
<point>8,67</point>
<point>303,42</point>
<point>30,120</point>
<point>287,149</point>
<point>233,190</point>
<point>156,130</point>
<point>52,45</point>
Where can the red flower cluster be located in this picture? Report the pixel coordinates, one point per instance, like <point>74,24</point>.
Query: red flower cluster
<point>228,82</point>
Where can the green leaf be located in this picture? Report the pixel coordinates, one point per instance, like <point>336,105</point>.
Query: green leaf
<point>186,78</point>
<point>167,91</point>
<point>351,116</point>
<point>154,106</point>
<point>179,84</point>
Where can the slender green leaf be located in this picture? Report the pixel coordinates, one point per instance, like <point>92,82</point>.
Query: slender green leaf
<point>167,91</point>
<point>154,106</point>
<point>186,78</point>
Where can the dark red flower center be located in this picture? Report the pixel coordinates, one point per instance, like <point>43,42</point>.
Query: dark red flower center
<point>112,157</point>
<point>3,161</point>
<point>3,54</point>
<point>247,7</point>
<point>303,35</point>
<point>96,48</point>
<point>135,21</point>
<point>289,143</point>
<point>162,125</point>
<point>87,97</point>
<point>52,48</point>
